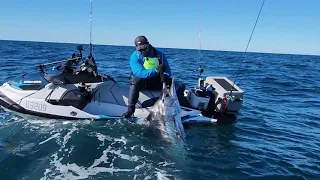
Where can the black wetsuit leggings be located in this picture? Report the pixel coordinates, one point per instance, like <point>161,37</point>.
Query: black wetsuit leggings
<point>138,84</point>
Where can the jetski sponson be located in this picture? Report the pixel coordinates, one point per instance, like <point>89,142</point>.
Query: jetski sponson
<point>74,89</point>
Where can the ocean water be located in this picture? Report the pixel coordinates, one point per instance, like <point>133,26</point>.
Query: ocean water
<point>276,135</point>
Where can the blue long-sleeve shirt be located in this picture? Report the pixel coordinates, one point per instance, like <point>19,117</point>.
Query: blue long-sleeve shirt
<point>137,60</point>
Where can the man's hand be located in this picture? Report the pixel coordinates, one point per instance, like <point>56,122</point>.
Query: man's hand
<point>164,77</point>
<point>161,69</point>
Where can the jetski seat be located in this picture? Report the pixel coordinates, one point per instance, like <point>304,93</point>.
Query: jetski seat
<point>114,93</point>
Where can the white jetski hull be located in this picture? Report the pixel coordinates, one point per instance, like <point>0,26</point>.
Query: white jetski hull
<point>23,104</point>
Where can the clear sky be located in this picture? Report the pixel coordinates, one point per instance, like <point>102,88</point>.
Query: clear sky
<point>285,26</point>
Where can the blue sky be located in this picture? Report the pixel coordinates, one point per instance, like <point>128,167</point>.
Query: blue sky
<point>285,26</point>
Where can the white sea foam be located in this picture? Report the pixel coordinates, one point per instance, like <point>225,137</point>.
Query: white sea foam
<point>123,140</point>
<point>52,137</point>
<point>146,150</point>
<point>67,122</point>
<point>162,175</point>
<point>165,163</point>
<point>68,136</point>
<point>132,147</point>
<point>45,174</point>
<point>74,171</point>
<point>140,166</point>
<point>124,156</point>
<point>145,178</point>
<point>102,138</point>
<point>43,123</point>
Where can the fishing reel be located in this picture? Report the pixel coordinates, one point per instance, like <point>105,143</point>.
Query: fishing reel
<point>200,70</point>
<point>75,58</point>
<point>80,48</point>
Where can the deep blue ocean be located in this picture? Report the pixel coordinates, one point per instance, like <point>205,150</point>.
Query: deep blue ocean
<point>276,135</point>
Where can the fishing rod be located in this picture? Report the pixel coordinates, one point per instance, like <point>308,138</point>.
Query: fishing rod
<point>90,45</point>
<point>74,59</point>
<point>200,70</point>
<point>79,47</point>
<point>254,27</point>
<point>58,62</point>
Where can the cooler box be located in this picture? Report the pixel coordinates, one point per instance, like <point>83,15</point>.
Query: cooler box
<point>223,87</point>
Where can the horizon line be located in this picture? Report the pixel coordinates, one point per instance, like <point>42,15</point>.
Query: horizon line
<point>162,47</point>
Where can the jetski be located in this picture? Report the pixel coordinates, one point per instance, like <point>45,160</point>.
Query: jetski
<point>74,89</point>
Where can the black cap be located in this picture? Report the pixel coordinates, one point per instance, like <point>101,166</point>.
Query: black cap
<point>141,42</point>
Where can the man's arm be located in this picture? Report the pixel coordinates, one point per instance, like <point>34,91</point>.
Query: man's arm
<point>138,69</point>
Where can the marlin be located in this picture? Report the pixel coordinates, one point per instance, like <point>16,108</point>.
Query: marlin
<point>165,116</point>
